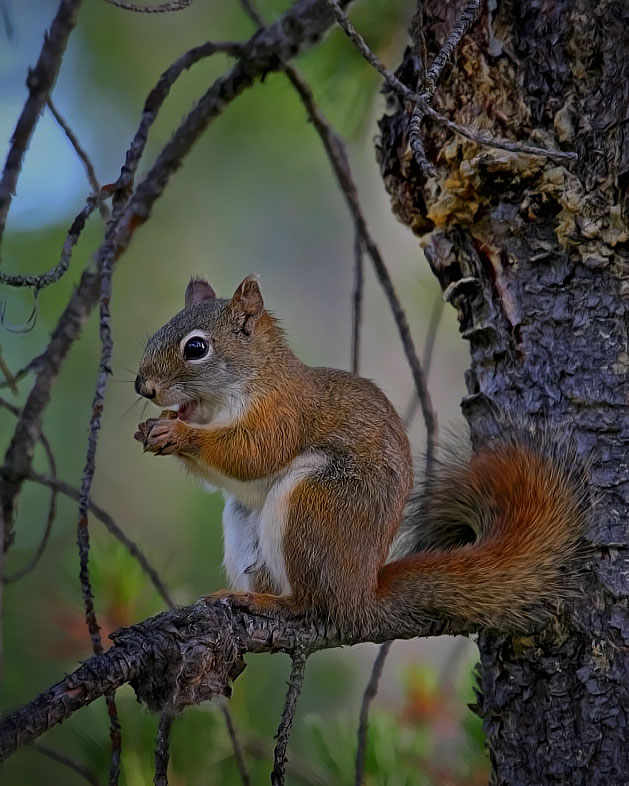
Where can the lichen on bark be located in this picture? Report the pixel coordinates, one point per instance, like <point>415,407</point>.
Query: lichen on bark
<point>534,255</point>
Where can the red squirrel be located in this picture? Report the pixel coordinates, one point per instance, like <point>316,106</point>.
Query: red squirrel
<point>316,470</point>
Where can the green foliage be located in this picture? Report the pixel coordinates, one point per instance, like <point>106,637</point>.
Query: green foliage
<point>406,747</point>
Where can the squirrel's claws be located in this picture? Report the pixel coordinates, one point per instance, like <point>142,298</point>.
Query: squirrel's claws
<point>158,436</point>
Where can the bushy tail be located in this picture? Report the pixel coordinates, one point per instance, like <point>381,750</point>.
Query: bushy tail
<point>495,536</point>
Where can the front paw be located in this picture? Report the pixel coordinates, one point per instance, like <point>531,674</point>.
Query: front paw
<point>263,604</point>
<point>161,437</point>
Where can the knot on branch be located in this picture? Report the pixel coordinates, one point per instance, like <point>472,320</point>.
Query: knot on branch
<point>190,655</point>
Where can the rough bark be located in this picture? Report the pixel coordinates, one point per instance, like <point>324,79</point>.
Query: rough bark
<point>185,656</point>
<point>535,258</point>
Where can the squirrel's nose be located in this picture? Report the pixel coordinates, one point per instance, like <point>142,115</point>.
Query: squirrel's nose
<point>144,388</point>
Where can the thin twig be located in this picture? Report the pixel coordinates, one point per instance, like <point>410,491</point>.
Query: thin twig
<point>83,537</point>
<point>101,515</point>
<point>357,300</point>
<point>54,274</point>
<point>9,380</point>
<point>86,482</point>
<point>419,39</point>
<point>429,345</point>
<point>7,18</point>
<point>162,8</point>
<point>415,139</point>
<point>485,139</point>
<point>153,104</point>
<point>416,99</point>
<point>239,756</point>
<point>368,696</point>
<point>80,769</point>
<point>359,42</point>
<point>50,519</point>
<point>39,82</point>
<point>83,156</point>
<point>162,750</point>
<point>295,682</point>
<point>301,768</point>
<point>293,31</point>
<point>52,507</point>
<point>339,161</point>
<point>466,20</point>
<point>18,376</point>
<point>253,13</point>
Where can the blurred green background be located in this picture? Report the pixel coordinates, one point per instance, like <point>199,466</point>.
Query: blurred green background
<point>256,195</point>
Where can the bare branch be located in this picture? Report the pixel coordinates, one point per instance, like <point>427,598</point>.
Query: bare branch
<point>360,44</point>
<point>39,82</point>
<point>153,104</point>
<point>238,752</point>
<point>487,140</point>
<point>15,411</point>
<point>339,161</point>
<point>300,26</point>
<point>83,538</point>
<point>46,279</point>
<point>466,20</point>
<point>50,519</point>
<point>357,300</point>
<point>304,769</point>
<point>24,327</point>
<point>429,345</point>
<point>295,681</point>
<point>252,12</point>
<point>420,101</point>
<point>12,380</point>
<point>368,696</point>
<point>162,8</point>
<point>188,655</point>
<point>9,380</point>
<point>80,769</point>
<point>112,527</point>
<point>162,750</point>
<point>83,156</point>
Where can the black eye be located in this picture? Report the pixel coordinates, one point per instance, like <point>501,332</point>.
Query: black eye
<point>195,349</point>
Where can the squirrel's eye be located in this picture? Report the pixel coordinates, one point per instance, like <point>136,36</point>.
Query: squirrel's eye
<point>195,348</point>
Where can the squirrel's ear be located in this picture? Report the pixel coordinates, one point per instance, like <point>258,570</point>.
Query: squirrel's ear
<point>197,291</point>
<point>247,303</point>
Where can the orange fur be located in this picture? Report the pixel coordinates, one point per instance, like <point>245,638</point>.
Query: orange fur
<point>521,502</point>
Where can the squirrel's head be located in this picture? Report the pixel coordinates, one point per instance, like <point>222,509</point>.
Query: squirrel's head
<point>209,351</point>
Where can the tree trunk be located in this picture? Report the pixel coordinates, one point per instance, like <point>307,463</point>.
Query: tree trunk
<point>534,254</point>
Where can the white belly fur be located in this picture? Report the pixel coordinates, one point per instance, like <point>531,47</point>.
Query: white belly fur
<point>254,519</point>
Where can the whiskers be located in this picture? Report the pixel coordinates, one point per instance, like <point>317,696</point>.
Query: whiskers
<point>133,405</point>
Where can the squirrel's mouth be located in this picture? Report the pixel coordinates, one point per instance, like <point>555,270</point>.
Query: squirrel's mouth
<point>187,410</point>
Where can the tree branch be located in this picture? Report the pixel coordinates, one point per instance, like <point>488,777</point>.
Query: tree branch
<point>340,165</point>
<point>68,762</point>
<point>357,300</point>
<point>300,26</point>
<point>43,280</point>
<point>188,655</point>
<point>419,100</point>
<point>118,533</point>
<point>39,82</point>
<point>295,681</point>
<point>239,755</point>
<point>162,8</point>
<point>368,696</point>
<point>90,172</point>
<point>162,750</point>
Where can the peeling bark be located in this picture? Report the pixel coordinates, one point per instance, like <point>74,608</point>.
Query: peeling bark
<point>535,258</point>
